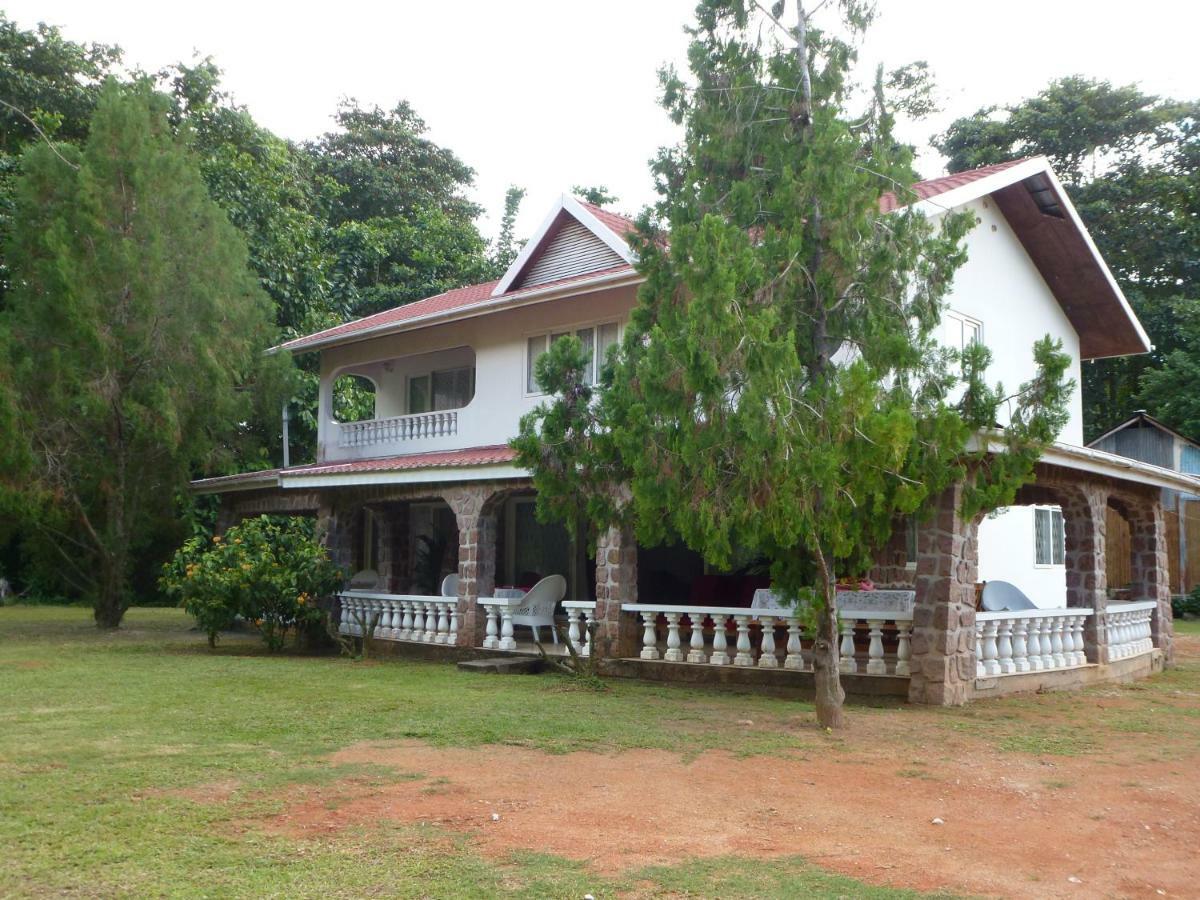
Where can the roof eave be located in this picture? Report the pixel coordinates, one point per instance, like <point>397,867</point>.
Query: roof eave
<point>521,298</point>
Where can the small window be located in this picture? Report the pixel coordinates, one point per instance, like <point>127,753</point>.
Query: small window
<point>537,346</point>
<point>961,331</point>
<point>1048,537</point>
<point>418,394</point>
<point>596,340</point>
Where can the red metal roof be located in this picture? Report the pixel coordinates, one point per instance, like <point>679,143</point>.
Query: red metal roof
<point>476,294</point>
<point>437,459</point>
<point>923,190</point>
<point>459,298</point>
<point>621,225</point>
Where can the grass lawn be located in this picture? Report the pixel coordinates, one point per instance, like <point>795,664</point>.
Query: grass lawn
<point>103,735</point>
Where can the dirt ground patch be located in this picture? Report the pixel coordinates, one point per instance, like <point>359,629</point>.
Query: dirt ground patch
<point>1121,819</point>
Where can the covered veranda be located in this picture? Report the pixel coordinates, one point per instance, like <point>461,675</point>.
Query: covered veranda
<point>922,637</point>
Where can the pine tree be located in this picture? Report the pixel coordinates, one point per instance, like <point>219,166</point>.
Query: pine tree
<point>135,328</point>
<point>778,391</point>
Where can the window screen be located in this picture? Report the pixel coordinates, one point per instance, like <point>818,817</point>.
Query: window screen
<point>418,394</point>
<point>452,388</point>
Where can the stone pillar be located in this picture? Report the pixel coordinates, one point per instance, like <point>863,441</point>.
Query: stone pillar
<point>1084,511</point>
<point>335,529</point>
<point>1151,574</point>
<point>943,638</point>
<point>392,563</point>
<point>475,511</point>
<point>616,583</point>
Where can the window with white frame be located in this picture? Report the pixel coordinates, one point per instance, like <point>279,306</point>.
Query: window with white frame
<point>596,340</point>
<point>961,331</point>
<point>445,389</point>
<point>1049,538</point>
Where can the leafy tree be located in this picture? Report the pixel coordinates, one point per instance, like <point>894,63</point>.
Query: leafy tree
<point>48,87</point>
<point>136,328</point>
<point>779,392</point>
<point>507,246</point>
<point>597,196</point>
<point>403,227</point>
<point>1130,162</point>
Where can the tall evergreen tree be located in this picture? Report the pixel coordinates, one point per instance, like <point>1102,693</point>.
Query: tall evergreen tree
<point>778,391</point>
<point>134,330</point>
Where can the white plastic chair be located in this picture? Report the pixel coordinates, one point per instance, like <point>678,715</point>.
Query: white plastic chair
<point>537,606</point>
<point>450,585</point>
<point>1001,596</point>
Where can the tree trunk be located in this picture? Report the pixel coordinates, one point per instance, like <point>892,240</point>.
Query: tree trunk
<point>827,681</point>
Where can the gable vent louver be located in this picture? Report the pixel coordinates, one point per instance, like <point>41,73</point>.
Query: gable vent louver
<point>573,251</point>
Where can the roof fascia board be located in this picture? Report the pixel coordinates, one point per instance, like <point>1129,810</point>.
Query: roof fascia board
<point>214,485</point>
<point>1065,199</point>
<point>568,204</point>
<point>439,474</point>
<point>521,298</point>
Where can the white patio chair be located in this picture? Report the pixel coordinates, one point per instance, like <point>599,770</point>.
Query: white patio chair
<point>1000,596</point>
<point>450,585</point>
<point>537,606</point>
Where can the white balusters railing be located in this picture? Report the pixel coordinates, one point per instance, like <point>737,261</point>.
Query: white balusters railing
<point>770,639</point>
<point>398,428</point>
<point>1128,628</point>
<point>1029,640</point>
<point>400,617</point>
<point>581,620</point>
<point>498,632</point>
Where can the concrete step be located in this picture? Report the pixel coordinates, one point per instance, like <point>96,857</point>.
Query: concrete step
<point>504,665</point>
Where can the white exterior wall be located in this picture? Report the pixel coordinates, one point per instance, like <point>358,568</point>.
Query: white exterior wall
<point>1007,553</point>
<point>1000,286</point>
<point>498,343</point>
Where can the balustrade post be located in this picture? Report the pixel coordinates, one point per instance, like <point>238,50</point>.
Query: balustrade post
<point>903,648</point>
<point>431,623</point>
<point>673,654</point>
<point>649,638</point>
<point>991,663</point>
<point>743,657</point>
<point>506,629</point>
<point>719,655</point>
<point>766,651</point>
<point>1020,646</point>
<point>443,623</point>
<point>795,653</point>
<point>491,640</point>
<point>1004,647</point>
<point>875,663</point>
<point>1056,642</point>
<point>847,665</point>
<point>452,635</point>
<point>980,672</point>
<point>573,630</point>
<point>696,653</point>
<point>589,626</point>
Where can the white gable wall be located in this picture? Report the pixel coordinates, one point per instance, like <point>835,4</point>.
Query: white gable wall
<point>1000,286</point>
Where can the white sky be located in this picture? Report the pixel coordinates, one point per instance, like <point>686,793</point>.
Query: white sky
<point>550,93</point>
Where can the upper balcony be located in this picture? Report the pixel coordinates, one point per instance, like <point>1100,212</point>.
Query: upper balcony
<point>410,404</point>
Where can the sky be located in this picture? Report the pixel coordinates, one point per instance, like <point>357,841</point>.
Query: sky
<point>547,94</point>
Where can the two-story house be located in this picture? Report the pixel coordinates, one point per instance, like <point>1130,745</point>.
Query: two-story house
<point>452,374</point>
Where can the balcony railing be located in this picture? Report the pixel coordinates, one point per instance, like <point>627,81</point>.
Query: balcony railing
<point>398,428</point>
<point>1029,640</point>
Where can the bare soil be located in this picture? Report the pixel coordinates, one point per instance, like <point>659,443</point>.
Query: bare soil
<point>1120,818</point>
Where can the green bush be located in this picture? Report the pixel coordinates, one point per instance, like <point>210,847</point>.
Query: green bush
<point>269,571</point>
<point>1186,604</point>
